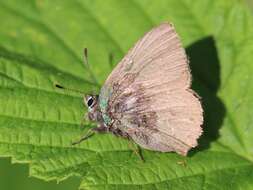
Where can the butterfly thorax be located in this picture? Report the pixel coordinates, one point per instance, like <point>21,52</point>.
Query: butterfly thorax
<point>104,97</point>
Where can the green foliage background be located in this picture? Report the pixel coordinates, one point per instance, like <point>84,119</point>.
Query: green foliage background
<point>41,42</point>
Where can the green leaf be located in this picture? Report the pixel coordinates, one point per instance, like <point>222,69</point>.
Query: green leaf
<point>41,43</point>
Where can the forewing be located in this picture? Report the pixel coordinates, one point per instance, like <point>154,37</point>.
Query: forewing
<point>159,55</point>
<point>150,97</point>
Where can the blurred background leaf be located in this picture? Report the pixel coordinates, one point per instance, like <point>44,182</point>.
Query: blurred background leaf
<point>42,41</point>
<point>15,176</point>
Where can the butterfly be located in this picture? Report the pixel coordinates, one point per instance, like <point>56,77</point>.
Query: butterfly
<point>147,97</point>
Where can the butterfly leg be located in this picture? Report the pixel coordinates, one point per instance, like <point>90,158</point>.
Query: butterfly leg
<point>100,129</point>
<point>83,121</point>
<point>87,135</point>
<point>183,163</point>
<point>136,150</point>
<point>91,132</point>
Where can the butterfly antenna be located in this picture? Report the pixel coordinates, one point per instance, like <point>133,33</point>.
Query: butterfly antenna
<point>85,57</point>
<point>111,60</point>
<point>87,65</point>
<point>69,89</point>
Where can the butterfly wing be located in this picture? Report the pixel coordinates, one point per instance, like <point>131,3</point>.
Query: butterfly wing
<point>148,94</point>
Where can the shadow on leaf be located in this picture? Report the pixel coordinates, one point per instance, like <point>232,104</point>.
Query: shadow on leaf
<point>205,68</point>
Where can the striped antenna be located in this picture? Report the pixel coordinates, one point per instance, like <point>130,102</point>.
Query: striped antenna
<point>69,89</point>
<point>87,65</point>
<point>111,60</point>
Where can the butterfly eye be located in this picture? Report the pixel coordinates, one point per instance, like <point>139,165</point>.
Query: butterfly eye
<point>90,102</point>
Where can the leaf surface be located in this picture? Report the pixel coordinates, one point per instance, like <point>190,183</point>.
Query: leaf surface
<point>41,43</point>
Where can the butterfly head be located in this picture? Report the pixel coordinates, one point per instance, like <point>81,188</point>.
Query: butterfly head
<point>91,101</point>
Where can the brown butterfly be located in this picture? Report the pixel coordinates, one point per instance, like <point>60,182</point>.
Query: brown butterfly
<point>147,97</point>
